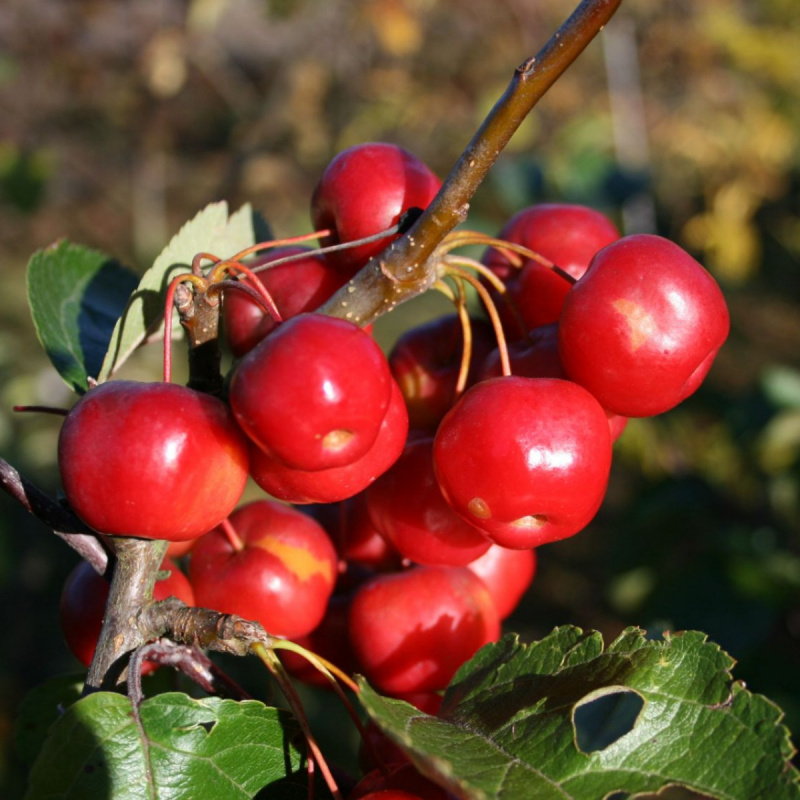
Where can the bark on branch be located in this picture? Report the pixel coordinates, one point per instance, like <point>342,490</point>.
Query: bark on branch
<point>408,267</point>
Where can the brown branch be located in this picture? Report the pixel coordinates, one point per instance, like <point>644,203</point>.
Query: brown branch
<point>408,267</point>
<point>189,660</point>
<point>199,316</point>
<point>200,627</point>
<point>60,519</point>
<point>134,575</point>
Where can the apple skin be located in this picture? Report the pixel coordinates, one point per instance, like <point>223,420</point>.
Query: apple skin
<point>313,394</point>
<point>152,460</point>
<point>364,190</point>
<point>507,574</point>
<point>566,234</point>
<point>642,327</point>
<point>295,287</point>
<point>407,508</point>
<point>526,460</point>
<point>335,483</point>
<point>83,603</point>
<point>426,361</point>
<point>283,577</point>
<point>412,630</point>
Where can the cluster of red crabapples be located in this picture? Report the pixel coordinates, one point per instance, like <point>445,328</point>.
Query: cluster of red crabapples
<point>406,494</point>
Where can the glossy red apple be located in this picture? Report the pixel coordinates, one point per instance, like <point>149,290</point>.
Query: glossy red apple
<point>280,573</point>
<point>407,507</point>
<point>507,574</point>
<point>364,190</point>
<point>335,483</point>
<point>412,630</point>
<point>154,460</point>
<point>295,287</point>
<point>525,459</point>
<point>314,393</point>
<point>642,327</point>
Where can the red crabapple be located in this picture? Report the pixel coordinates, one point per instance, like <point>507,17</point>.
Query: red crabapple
<point>412,630</point>
<point>154,460</point>
<point>314,393</point>
<point>280,574</point>
<point>365,190</point>
<point>525,459</point>
<point>641,328</point>
<point>295,287</point>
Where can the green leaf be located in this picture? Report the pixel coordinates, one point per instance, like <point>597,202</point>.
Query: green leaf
<point>506,727</point>
<point>76,296</point>
<point>211,231</point>
<point>41,707</point>
<point>179,748</point>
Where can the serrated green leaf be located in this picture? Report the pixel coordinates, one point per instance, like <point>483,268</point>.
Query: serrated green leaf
<point>506,728</point>
<point>210,231</point>
<point>178,749</point>
<point>76,296</point>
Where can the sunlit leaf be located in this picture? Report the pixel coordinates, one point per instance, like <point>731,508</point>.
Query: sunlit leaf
<point>507,727</point>
<point>177,748</point>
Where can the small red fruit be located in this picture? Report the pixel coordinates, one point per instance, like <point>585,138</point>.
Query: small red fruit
<point>295,287</point>
<point>154,460</point>
<point>314,393</point>
<point>407,507</point>
<point>567,235</point>
<point>507,575</point>
<point>525,459</point>
<point>641,328</point>
<point>365,190</point>
<point>426,361</point>
<point>412,630</point>
<point>335,483</point>
<point>280,574</point>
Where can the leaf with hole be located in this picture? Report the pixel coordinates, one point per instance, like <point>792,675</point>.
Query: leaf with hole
<point>522,720</point>
<point>177,748</point>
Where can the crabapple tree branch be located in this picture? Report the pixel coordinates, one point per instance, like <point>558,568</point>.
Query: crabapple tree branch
<point>57,517</point>
<point>132,580</point>
<point>408,267</point>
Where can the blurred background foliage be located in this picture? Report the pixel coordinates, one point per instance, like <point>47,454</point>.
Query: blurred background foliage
<point>118,121</point>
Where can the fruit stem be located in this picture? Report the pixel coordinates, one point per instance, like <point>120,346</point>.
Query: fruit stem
<point>331,248</point>
<point>459,300</point>
<point>329,670</point>
<point>273,664</point>
<point>233,538</point>
<point>332,672</point>
<point>258,288</point>
<point>305,237</point>
<point>452,269</point>
<point>42,409</point>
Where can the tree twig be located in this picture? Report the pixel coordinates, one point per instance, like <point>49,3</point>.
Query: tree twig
<point>60,519</point>
<point>408,267</point>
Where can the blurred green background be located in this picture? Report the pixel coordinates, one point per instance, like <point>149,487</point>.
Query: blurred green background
<point>118,121</point>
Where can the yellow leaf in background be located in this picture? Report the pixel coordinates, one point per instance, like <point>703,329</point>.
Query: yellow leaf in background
<point>756,48</point>
<point>164,63</point>
<point>726,233</point>
<point>779,443</point>
<point>395,26</point>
